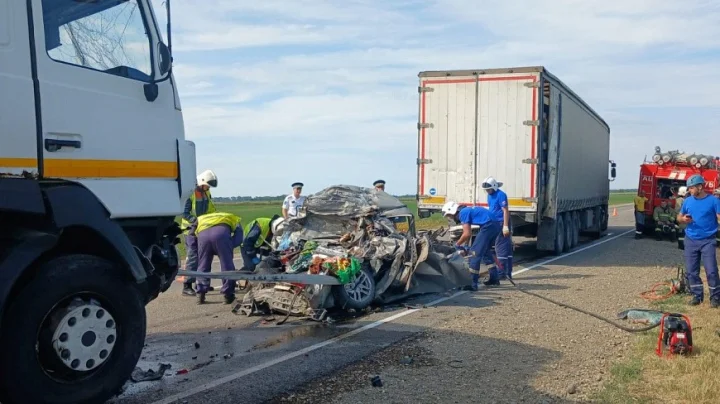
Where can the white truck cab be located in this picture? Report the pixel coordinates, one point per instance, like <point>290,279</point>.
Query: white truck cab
<point>94,168</point>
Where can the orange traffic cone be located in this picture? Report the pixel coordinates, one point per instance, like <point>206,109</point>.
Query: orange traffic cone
<point>614,211</point>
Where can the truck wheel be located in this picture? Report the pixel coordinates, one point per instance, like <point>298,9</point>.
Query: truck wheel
<point>576,229</point>
<point>73,334</point>
<point>358,293</point>
<point>605,219</point>
<point>559,235</point>
<point>569,227</point>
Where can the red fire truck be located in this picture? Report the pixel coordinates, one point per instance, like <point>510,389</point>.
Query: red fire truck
<point>661,178</point>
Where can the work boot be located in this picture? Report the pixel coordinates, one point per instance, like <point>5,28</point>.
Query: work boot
<point>493,277</point>
<point>188,290</point>
<point>475,282</point>
<point>229,299</point>
<point>695,301</point>
<point>714,303</point>
<point>211,289</point>
<point>201,298</point>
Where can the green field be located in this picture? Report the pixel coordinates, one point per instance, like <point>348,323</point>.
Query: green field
<point>252,210</point>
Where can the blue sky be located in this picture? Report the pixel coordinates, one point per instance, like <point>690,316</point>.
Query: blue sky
<point>325,92</point>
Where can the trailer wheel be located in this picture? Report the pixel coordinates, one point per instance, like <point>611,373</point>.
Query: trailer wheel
<point>576,229</point>
<point>605,219</point>
<point>73,334</point>
<point>559,235</point>
<point>569,227</point>
<point>358,293</point>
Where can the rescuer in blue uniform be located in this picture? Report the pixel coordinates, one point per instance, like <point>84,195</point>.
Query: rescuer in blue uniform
<point>480,248</point>
<point>499,209</point>
<point>701,213</point>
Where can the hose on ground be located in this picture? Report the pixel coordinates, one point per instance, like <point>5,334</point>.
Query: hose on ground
<point>601,318</point>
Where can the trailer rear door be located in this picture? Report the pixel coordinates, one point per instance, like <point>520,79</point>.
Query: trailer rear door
<point>471,127</point>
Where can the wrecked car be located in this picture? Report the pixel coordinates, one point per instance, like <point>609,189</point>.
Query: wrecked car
<point>368,240</point>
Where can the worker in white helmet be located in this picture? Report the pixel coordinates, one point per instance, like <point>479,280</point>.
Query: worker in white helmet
<point>199,203</point>
<point>500,211</point>
<point>480,248</point>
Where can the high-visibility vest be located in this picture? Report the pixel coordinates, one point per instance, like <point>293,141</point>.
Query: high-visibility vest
<point>209,220</point>
<point>193,198</point>
<point>264,223</point>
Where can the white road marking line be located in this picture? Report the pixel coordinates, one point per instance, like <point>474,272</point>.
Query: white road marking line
<point>284,358</point>
<point>587,247</point>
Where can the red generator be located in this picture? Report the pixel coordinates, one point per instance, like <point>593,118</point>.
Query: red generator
<point>661,178</point>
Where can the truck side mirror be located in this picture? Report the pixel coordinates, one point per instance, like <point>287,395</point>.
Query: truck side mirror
<point>165,58</point>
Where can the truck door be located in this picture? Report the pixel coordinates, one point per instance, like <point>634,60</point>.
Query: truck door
<point>94,60</point>
<point>18,137</point>
<point>447,139</point>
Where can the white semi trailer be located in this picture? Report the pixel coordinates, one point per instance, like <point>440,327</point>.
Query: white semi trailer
<point>526,128</point>
<point>94,168</point>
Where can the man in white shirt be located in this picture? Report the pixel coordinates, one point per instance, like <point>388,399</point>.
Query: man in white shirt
<point>293,202</point>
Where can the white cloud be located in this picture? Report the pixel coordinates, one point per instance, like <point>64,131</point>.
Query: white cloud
<point>273,80</point>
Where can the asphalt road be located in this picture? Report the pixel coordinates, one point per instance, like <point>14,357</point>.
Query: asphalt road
<point>232,358</point>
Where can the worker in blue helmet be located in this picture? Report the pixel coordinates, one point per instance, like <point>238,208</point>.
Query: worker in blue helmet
<point>701,212</point>
<point>480,248</point>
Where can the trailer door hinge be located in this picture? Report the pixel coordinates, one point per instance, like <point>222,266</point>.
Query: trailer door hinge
<point>424,161</point>
<point>425,89</point>
<point>531,123</point>
<point>532,84</point>
<point>425,126</point>
<point>530,161</point>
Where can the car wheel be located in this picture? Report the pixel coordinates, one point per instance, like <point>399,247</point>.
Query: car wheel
<point>358,293</point>
<point>73,334</point>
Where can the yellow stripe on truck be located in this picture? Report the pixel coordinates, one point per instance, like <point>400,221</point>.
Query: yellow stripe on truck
<point>70,168</point>
<point>519,202</point>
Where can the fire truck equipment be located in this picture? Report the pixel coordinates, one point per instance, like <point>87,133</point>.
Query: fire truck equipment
<point>667,173</point>
<point>675,336</point>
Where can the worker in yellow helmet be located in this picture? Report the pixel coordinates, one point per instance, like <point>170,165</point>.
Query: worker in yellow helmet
<point>218,234</point>
<point>199,203</point>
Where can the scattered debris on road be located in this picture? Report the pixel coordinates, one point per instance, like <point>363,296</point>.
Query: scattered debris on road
<point>139,375</point>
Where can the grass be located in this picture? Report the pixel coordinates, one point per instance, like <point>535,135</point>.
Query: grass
<point>646,378</point>
<point>252,210</point>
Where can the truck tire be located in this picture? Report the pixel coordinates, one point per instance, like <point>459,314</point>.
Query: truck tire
<point>357,294</point>
<point>605,219</point>
<point>559,235</point>
<point>576,229</point>
<point>569,227</point>
<point>87,320</point>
